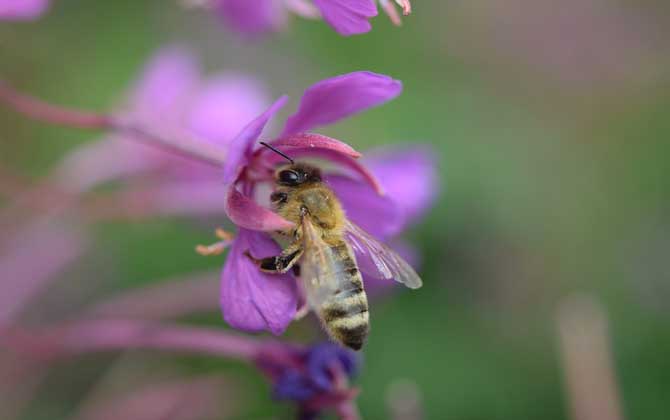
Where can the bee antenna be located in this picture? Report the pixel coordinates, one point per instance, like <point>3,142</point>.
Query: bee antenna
<point>278,152</point>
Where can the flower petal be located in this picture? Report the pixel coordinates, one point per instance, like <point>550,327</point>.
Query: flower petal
<point>246,213</point>
<point>171,298</point>
<point>166,81</point>
<point>348,17</point>
<point>22,9</point>
<point>204,197</point>
<point>108,159</point>
<point>409,177</point>
<point>252,17</point>
<point>376,214</point>
<point>242,145</point>
<point>250,299</point>
<point>224,104</point>
<point>293,385</point>
<point>339,97</point>
<point>309,140</point>
<point>320,362</point>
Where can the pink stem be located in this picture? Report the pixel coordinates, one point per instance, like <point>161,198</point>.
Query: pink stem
<point>39,110</point>
<point>42,111</point>
<point>109,335</point>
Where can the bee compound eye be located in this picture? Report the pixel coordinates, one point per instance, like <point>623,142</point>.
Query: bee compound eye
<point>289,177</point>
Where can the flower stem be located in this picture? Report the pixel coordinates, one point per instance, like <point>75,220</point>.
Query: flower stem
<point>40,110</point>
<point>124,334</point>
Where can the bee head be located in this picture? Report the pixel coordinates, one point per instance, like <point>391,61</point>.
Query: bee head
<point>294,174</point>
<point>297,174</point>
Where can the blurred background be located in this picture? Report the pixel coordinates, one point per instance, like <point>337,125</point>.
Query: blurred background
<point>544,258</point>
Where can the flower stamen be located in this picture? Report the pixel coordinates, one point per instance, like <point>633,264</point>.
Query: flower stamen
<point>216,248</point>
<point>224,235</point>
<point>392,13</point>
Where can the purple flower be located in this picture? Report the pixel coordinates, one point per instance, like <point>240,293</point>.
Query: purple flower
<point>252,300</point>
<point>347,17</point>
<point>252,17</point>
<point>316,378</point>
<point>170,98</point>
<point>22,9</point>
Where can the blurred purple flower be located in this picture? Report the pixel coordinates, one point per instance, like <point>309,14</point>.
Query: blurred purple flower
<point>347,17</point>
<point>22,9</point>
<point>169,97</point>
<point>408,176</point>
<point>252,17</point>
<point>252,300</point>
<point>316,378</point>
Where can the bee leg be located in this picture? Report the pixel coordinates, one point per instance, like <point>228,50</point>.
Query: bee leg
<point>296,270</point>
<point>216,248</point>
<point>279,264</point>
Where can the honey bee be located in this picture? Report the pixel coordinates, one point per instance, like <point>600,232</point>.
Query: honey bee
<point>321,253</point>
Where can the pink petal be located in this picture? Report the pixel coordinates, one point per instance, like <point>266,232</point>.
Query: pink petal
<point>167,80</point>
<point>243,144</point>
<point>246,213</point>
<point>313,140</point>
<point>348,17</point>
<point>198,197</point>
<point>376,214</point>
<point>409,177</point>
<point>105,160</point>
<point>252,17</point>
<point>333,99</point>
<point>224,104</point>
<point>332,157</point>
<point>250,299</point>
<point>22,9</point>
<point>171,298</point>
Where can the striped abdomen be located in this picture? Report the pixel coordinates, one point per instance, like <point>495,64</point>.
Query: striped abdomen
<point>345,313</point>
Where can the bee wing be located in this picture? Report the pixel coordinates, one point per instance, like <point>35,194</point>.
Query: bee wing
<point>320,269</point>
<point>388,264</point>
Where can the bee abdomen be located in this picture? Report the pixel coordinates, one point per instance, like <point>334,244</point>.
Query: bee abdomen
<point>346,316</point>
